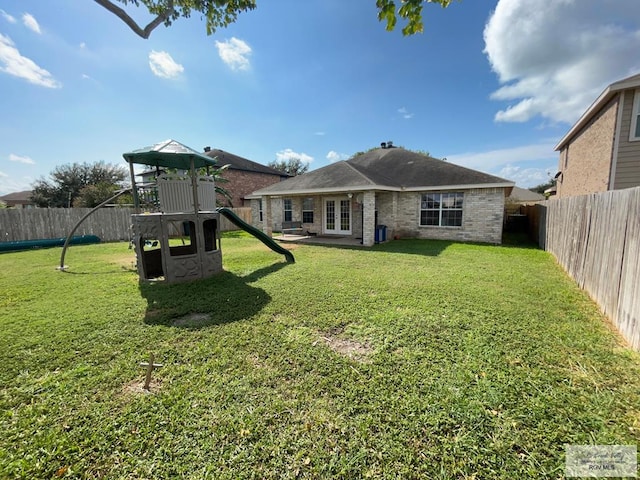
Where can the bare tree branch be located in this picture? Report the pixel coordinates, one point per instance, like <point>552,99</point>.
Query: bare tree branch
<point>122,15</point>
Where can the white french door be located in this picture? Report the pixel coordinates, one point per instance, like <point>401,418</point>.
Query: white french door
<point>337,216</point>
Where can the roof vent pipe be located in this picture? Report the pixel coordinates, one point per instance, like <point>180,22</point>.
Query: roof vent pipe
<point>383,145</point>
<point>207,149</point>
<point>389,144</point>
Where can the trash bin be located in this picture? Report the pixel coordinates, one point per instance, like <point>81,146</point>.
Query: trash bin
<point>381,234</point>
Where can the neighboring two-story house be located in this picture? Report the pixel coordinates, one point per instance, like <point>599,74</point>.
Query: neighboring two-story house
<point>602,150</point>
<point>243,176</point>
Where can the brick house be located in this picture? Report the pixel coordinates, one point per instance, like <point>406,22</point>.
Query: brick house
<point>602,150</point>
<point>244,176</point>
<point>411,194</point>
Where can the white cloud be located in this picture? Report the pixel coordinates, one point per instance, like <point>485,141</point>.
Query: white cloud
<point>13,63</point>
<point>555,57</point>
<point>288,154</point>
<point>320,134</point>
<point>31,23</point>
<point>7,17</point>
<point>162,65</point>
<point>496,158</point>
<point>235,53</point>
<point>20,159</point>
<point>334,156</point>
<point>527,177</point>
<point>405,113</point>
<point>10,185</point>
<point>527,165</point>
<point>83,45</point>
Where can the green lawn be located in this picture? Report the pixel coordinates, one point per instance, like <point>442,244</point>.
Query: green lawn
<point>414,359</point>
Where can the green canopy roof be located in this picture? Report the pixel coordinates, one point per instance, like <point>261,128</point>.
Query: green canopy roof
<point>170,154</point>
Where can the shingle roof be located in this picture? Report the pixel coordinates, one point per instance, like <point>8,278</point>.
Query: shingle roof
<point>23,196</point>
<point>385,169</point>
<point>236,162</point>
<point>524,195</point>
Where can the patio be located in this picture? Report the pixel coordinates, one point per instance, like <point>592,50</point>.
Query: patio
<point>318,240</point>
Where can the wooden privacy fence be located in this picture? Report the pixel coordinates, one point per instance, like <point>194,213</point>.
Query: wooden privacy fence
<point>110,224</point>
<point>596,238</point>
<point>536,222</point>
<point>243,212</point>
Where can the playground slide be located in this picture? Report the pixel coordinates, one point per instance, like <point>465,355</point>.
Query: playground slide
<point>259,234</point>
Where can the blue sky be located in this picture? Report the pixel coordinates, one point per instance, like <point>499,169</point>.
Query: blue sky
<point>491,84</point>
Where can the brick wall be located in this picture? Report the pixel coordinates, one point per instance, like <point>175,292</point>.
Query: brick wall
<point>482,217</point>
<point>482,220</point>
<point>277,213</point>
<point>368,220</point>
<point>242,183</point>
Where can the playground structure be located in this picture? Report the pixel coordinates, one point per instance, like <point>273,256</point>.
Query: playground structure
<point>179,238</point>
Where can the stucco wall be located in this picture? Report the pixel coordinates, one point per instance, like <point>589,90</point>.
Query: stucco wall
<point>585,162</point>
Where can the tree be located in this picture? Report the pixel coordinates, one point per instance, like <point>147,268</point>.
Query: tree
<point>91,196</point>
<point>426,153</point>
<point>543,186</point>
<point>67,181</point>
<point>291,166</point>
<point>220,13</point>
<point>218,178</point>
<point>410,10</point>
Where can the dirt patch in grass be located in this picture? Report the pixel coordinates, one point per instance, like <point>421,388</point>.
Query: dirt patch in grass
<point>192,320</point>
<point>353,349</point>
<point>127,262</point>
<point>136,387</point>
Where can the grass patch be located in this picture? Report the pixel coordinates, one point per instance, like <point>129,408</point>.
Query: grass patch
<point>471,361</point>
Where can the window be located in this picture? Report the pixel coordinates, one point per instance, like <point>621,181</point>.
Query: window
<point>288,211</point>
<point>634,134</point>
<point>182,238</point>
<point>307,210</point>
<point>345,214</point>
<point>151,256</point>
<point>210,228</point>
<point>260,209</point>
<point>441,209</point>
<point>330,215</point>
